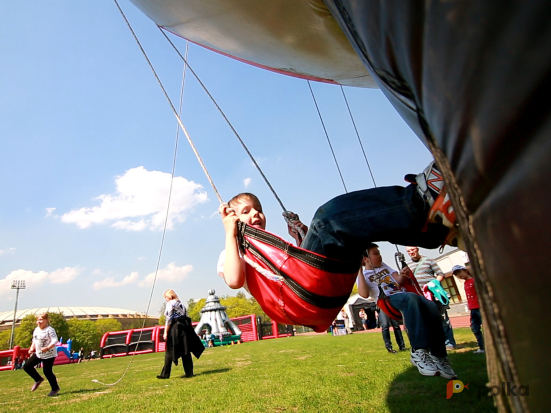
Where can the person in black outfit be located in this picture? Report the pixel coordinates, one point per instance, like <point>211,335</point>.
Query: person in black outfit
<point>181,340</point>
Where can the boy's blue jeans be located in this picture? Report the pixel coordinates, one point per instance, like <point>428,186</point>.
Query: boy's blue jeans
<point>343,227</point>
<point>423,322</point>
<point>476,323</point>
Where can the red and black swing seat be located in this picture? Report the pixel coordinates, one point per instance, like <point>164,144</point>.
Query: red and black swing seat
<point>310,290</point>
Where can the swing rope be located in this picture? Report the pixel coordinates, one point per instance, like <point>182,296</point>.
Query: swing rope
<point>398,256</point>
<point>358,135</point>
<point>174,111</point>
<point>226,119</point>
<point>290,218</point>
<point>166,217</point>
<point>327,136</point>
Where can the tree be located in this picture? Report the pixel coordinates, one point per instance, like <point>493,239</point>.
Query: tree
<point>107,324</point>
<point>84,334</point>
<point>194,308</point>
<point>59,324</point>
<point>5,339</point>
<point>240,305</point>
<point>24,334</point>
<point>162,318</point>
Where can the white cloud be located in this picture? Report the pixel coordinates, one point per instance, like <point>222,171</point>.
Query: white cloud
<point>63,275</point>
<point>50,212</point>
<point>140,202</point>
<point>130,225</point>
<point>7,251</point>
<point>110,281</point>
<point>171,273</point>
<point>35,279</point>
<point>247,181</point>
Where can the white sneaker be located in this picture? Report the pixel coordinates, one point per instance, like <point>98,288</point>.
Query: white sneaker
<point>430,183</point>
<point>444,367</point>
<point>479,351</point>
<point>424,362</point>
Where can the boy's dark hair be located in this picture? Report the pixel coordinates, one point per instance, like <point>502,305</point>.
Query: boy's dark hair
<point>245,195</point>
<point>371,245</point>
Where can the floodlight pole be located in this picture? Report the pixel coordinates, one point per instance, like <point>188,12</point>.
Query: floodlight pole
<point>16,285</point>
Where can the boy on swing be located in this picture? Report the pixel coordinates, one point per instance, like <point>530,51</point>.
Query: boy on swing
<point>419,214</point>
<point>421,316</point>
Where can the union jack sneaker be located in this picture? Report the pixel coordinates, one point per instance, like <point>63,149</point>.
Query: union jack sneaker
<point>431,187</point>
<point>429,183</point>
<point>441,211</point>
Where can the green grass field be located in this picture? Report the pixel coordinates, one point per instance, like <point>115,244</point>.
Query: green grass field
<point>308,373</point>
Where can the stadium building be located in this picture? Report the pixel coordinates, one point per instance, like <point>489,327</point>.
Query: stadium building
<point>127,318</point>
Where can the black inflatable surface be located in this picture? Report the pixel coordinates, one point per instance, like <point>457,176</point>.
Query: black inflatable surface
<point>473,79</point>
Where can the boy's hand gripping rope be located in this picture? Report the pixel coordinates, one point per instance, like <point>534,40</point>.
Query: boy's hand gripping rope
<point>293,221</point>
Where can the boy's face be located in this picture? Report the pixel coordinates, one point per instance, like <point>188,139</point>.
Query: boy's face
<point>250,213</point>
<point>463,274</point>
<point>375,257</point>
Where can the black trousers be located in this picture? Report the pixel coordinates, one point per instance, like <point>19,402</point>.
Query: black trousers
<point>386,322</point>
<point>47,369</point>
<point>187,361</point>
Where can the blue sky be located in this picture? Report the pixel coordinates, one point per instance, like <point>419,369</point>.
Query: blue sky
<point>87,141</point>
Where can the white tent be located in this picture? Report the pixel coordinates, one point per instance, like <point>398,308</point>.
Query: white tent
<point>353,306</point>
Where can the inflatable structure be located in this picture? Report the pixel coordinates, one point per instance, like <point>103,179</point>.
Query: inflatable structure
<point>7,357</point>
<point>215,322</point>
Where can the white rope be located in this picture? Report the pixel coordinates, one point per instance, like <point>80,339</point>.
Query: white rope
<point>165,223</point>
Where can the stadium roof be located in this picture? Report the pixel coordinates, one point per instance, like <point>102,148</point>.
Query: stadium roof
<point>90,313</point>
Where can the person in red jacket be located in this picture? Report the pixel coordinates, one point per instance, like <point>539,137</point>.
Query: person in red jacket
<point>463,273</point>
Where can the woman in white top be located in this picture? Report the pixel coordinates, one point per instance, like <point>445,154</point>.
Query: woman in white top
<point>43,350</point>
<point>181,340</point>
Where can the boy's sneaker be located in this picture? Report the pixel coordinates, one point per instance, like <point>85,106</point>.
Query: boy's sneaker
<point>441,211</point>
<point>479,351</point>
<point>430,185</point>
<point>53,393</point>
<point>424,362</point>
<point>36,384</point>
<point>444,367</point>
